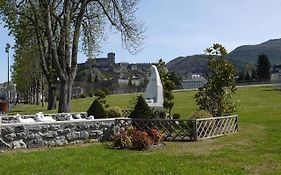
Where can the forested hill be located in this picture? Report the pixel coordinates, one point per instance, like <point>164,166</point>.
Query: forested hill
<point>241,56</point>
<point>249,53</point>
<point>184,65</point>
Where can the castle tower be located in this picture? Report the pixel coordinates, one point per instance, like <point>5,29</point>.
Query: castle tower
<point>111,57</point>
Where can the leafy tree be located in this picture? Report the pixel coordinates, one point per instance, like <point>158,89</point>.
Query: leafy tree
<point>215,96</point>
<point>263,68</point>
<point>60,25</point>
<point>168,86</point>
<point>173,76</point>
<point>247,76</point>
<point>253,74</point>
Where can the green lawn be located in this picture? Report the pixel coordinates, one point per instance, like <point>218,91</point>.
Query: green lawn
<point>255,149</point>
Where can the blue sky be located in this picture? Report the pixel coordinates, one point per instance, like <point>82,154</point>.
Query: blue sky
<point>187,27</point>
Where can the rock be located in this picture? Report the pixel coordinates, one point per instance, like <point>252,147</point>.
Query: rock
<point>69,125</point>
<point>96,134</point>
<point>77,142</point>
<point>19,144</point>
<point>45,128</point>
<point>37,143</point>
<point>55,127</point>
<point>4,145</point>
<point>50,135</point>
<point>73,136</point>
<point>19,129</point>
<point>58,141</point>
<point>7,130</point>
<point>21,135</point>
<point>94,126</point>
<point>82,126</point>
<point>63,131</point>
<point>10,137</point>
<point>84,135</point>
<point>34,128</point>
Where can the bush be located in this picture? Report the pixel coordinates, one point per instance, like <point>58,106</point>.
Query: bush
<point>140,140</point>
<point>141,109</point>
<point>136,139</point>
<point>155,136</point>
<point>114,112</point>
<point>97,109</point>
<point>83,95</point>
<point>122,141</point>
<point>200,114</point>
<point>176,116</point>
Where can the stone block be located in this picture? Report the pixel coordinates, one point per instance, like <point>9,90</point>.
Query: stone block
<point>58,141</point>
<point>37,143</point>
<point>10,137</point>
<point>18,144</point>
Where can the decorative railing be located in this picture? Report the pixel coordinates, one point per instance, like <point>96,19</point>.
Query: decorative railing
<point>183,130</point>
<point>216,126</point>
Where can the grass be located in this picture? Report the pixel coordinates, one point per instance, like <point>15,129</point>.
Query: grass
<point>255,149</point>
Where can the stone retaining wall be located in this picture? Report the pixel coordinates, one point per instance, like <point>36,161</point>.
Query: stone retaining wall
<point>35,135</point>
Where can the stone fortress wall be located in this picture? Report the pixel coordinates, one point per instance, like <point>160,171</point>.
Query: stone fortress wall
<point>49,134</point>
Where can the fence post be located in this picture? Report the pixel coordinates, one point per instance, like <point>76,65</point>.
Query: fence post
<point>195,129</point>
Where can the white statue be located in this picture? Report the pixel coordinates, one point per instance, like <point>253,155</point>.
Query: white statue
<point>39,117</point>
<point>23,120</point>
<point>154,90</point>
<point>69,117</point>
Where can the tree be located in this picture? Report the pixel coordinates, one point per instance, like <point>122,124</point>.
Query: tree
<point>247,76</point>
<point>263,68</point>
<point>168,86</point>
<point>59,25</point>
<point>141,109</point>
<point>215,96</point>
<point>173,76</point>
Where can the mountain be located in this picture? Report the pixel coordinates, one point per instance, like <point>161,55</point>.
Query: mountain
<point>248,54</point>
<point>184,65</point>
<point>241,57</point>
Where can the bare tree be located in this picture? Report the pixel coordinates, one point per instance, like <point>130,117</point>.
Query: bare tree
<point>60,25</point>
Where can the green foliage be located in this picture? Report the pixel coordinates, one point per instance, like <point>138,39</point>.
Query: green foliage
<point>176,116</point>
<point>97,109</point>
<point>174,77</point>
<point>263,68</point>
<point>200,114</point>
<point>215,96</point>
<point>83,95</point>
<point>141,109</point>
<point>168,86</point>
<point>113,112</point>
<point>122,141</point>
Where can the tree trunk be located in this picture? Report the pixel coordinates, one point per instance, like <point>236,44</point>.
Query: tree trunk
<point>51,96</point>
<point>65,95</point>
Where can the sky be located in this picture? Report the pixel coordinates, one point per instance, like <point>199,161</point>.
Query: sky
<point>186,27</point>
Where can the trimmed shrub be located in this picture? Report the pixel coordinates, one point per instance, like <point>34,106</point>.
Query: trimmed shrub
<point>140,140</point>
<point>155,136</point>
<point>141,109</point>
<point>176,116</point>
<point>122,141</point>
<point>83,95</point>
<point>97,109</point>
<point>136,139</point>
<point>114,112</point>
<point>200,114</point>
